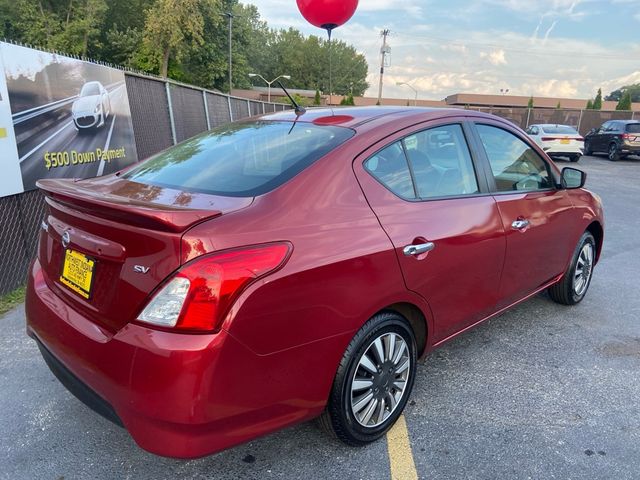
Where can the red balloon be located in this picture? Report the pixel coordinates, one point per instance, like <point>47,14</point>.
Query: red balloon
<point>327,14</point>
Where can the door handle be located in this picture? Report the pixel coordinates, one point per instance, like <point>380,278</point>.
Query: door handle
<point>414,250</point>
<point>520,224</point>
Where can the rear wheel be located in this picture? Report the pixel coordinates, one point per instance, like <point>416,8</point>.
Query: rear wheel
<point>373,381</point>
<point>573,286</point>
<point>574,158</point>
<point>614,153</point>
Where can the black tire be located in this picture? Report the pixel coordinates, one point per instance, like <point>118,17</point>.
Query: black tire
<point>614,152</point>
<point>587,148</point>
<point>575,158</point>
<point>565,291</point>
<point>339,419</point>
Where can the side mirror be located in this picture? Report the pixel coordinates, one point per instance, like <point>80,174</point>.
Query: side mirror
<point>592,131</point>
<point>572,178</point>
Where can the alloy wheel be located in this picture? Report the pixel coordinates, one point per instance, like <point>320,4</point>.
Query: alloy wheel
<point>380,379</point>
<point>584,268</point>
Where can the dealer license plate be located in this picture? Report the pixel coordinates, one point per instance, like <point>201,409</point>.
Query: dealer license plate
<point>77,272</point>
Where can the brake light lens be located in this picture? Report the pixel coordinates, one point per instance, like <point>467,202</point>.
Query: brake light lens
<point>626,136</point>
<point>200,293</point>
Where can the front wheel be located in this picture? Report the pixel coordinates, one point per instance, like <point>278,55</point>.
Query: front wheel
<point>587,148</point>
<point>573,286</point>
<point>574,158</point>
<point>373,381</point>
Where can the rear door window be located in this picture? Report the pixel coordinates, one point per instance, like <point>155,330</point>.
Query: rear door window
<point>633,127</point>
<point>240,159</point>
<point>441,162</point>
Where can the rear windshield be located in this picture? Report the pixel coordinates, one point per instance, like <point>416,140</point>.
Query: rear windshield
<point>633,127</point>
<point>559,129</point>
<point>240,159</point>
<point>90,89</point>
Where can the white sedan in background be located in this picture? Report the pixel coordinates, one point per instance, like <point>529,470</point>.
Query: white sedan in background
<point>92,107</point>
<point>558,140</point>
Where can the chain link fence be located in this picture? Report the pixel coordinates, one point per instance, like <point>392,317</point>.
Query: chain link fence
<point>163,113</point>
<point>583,120</point>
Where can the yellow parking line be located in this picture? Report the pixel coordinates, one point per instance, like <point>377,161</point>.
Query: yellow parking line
<point>400,455</point>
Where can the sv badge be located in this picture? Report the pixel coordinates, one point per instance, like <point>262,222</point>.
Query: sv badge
<point>140,269</point>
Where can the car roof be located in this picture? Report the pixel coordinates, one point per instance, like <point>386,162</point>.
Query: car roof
<point>353,117</point>
<point>551,125</point>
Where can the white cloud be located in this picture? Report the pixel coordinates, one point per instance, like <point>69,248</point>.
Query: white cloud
<point>448,52</point>
<point>495,57</point>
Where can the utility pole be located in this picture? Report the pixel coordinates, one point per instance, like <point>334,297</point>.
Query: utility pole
<point>384,50</point>
<point>230,16</point>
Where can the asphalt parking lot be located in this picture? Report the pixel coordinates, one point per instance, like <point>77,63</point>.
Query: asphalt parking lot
<point>543,391</point>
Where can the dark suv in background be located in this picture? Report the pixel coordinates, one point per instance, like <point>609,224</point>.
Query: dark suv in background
<point>618,138</point>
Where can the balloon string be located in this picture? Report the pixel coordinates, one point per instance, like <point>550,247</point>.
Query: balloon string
<point>330,73</point>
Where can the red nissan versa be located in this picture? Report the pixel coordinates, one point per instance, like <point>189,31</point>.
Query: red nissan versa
<point>273,270</point>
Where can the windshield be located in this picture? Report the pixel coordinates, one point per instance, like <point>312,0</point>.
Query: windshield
<point>560,130</point>
<point>90,89</point>
<point>633,127</point>
<point>240,159</point>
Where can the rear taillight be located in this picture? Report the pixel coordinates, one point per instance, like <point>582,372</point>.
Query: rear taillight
<point>200,293</point>
<point>626,136</point>
<point>548,139</point>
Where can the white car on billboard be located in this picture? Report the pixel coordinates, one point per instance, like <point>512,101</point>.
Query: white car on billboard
<point>558,140</point>
<point>92,107</point>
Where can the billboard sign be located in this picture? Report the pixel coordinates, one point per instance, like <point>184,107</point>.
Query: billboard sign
<point>60,118</point>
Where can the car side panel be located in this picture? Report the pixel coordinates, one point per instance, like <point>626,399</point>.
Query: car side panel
<point>342,266</point>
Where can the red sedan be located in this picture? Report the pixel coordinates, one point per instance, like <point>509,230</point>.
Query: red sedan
<point>284,268</point>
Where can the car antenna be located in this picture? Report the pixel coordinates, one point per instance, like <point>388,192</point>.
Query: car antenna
<point>297,108</point>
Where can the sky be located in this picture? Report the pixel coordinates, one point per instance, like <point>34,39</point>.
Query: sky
<point>557,48</point>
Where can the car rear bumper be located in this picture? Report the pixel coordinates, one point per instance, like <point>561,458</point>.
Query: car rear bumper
<point>631,149</point>
<point>178,395</point>
<point>564,150</point>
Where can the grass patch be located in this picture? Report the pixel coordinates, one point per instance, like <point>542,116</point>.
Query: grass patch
<point>11,300</point>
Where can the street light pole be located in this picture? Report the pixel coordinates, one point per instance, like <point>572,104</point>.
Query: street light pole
<point>415,99</point>
<point>269,82</point>
<point>230,16</point>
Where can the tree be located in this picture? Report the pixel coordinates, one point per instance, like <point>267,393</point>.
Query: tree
<point>317,100</point>
<point>617,95</point>
<point>558,106</point>
<point>348,100</point>
<point>625,102</point>
<point>589,104</point>
<point>597,103</point>
<point>186,40</point>
<point>530,102</point>
<point>172,25</point>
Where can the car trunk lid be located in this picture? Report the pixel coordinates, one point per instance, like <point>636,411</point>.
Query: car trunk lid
<point>125,237</point>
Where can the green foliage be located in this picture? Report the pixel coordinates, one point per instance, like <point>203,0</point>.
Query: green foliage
<point>597,103</point>
<point>625,102</point>
<point>186,40</point>
<point>317,100</point>
<point>634,91</point>
<point>300,100</point>
<point>171,27</point>
<point>348,100</point>
<point>589,104</point>
<point>11,300</point>
<point>530,102</point>
<point>558,106</point>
